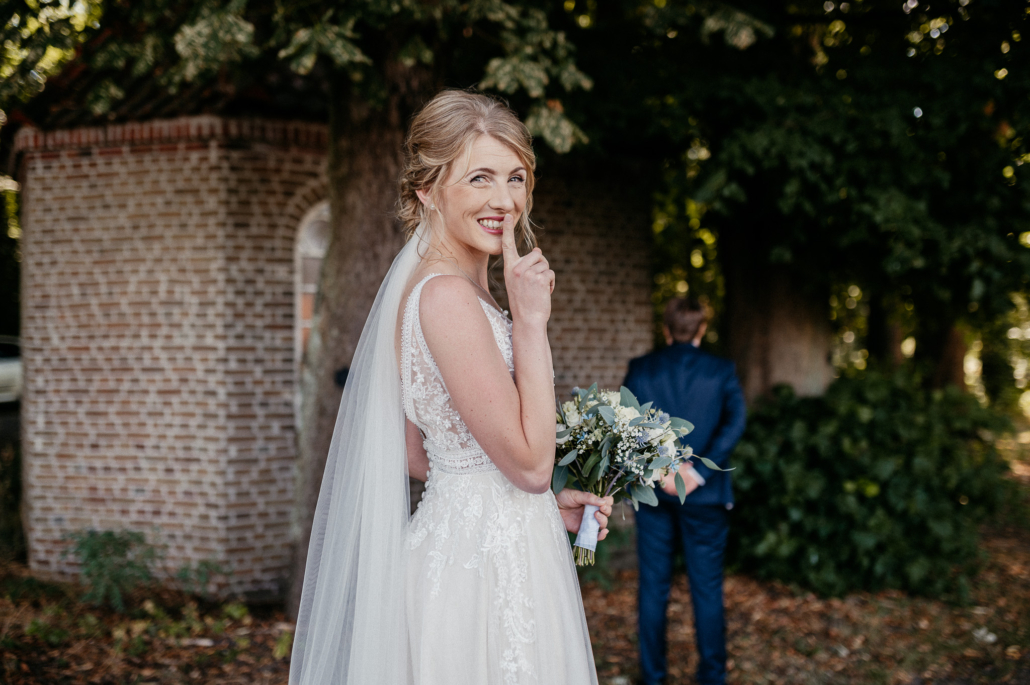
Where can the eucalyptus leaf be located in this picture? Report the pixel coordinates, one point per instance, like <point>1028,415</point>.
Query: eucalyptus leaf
<point>645,407</point>
<point>712,465</point>
<point>661,462</point>
<point>680,424</point>
<point>563,434</point>
<point>607,413</point>
<point>644,494</point>
<point>559,478</point>
<point>628,399</point>
<point>636,421</point>
<point>569,458</point>
<point>681,488</point>
<point>591,462</point>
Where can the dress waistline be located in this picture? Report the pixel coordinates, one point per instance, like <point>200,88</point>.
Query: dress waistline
<point>466,462</point>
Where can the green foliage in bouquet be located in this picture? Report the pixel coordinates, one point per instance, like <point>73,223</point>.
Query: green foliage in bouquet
<point>878,484</point>
<point>610,444</point>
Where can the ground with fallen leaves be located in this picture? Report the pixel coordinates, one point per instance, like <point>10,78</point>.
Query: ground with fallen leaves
<point>776,633</point>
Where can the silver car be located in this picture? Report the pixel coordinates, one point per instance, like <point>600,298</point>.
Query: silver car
<point>10,369</point>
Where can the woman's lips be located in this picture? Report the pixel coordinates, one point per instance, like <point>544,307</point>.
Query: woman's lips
<point>493,226</point>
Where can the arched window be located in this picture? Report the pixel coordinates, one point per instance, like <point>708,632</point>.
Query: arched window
<point>312,240</point>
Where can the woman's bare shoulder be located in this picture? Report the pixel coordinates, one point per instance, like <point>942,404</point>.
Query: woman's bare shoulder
<point>449,299</point>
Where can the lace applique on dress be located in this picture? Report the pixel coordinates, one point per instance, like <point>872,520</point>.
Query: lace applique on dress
<point>448,441</point>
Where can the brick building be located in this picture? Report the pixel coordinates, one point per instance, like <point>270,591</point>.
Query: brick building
<point>168,273</point>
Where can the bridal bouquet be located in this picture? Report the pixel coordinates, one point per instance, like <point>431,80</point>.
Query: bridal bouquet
<point>610,444</point>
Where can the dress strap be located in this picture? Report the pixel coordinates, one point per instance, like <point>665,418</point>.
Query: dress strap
<point>408,323</point>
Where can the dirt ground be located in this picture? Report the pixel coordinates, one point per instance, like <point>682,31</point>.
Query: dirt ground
<point>776,633</point>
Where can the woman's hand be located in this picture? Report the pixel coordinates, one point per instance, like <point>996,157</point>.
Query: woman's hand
<point>528,279</point>
<point>570,506</point>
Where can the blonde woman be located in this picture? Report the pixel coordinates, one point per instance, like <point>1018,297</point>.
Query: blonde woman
<point>479,587</point>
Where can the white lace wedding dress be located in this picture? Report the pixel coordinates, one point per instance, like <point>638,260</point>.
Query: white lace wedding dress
<point>492,595</point>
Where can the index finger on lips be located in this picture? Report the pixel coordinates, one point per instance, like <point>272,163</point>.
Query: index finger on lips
<point>508,249</point>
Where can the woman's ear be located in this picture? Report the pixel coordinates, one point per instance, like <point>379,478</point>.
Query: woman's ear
<point>424,197</point>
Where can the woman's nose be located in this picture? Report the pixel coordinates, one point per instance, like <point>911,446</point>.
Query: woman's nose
<point>502,199</point>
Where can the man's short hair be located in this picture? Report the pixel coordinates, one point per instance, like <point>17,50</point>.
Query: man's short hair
<point>683,317</point>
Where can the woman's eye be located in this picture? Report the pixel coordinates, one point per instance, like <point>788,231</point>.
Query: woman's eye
<point>517,179</point>
<point>478,179</point>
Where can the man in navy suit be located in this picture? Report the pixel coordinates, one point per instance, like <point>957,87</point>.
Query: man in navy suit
<point>703,389</point>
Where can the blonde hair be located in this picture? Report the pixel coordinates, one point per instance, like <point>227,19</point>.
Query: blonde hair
<point>441,133</point>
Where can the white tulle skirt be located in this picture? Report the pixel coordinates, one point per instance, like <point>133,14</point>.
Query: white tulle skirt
<point>492,594</point>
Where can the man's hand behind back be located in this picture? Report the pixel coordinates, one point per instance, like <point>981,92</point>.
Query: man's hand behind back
<point>669,482</point>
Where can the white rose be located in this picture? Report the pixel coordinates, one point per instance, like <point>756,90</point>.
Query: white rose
<point>560,428</point>
<point>612,398</point>
<point>626,414</point>
<point>656,475</point>
<point>573,417</point>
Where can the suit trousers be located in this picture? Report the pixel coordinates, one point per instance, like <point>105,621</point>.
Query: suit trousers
<point>702,528</point>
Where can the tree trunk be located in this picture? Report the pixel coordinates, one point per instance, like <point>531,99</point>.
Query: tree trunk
<point>949,367</point>
<point>778,330</point>
<point>365,164</point>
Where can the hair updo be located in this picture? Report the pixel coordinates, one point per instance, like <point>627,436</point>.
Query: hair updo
<point>442,133</point>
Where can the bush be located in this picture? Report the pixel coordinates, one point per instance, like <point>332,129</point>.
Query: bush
<point>197,580</point>
<point>877,484</point>
<point>113,564</point>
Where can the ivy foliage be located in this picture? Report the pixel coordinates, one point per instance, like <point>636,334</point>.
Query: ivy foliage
<point>206,49</point>
<point>37,37</point>
<point>878,484</point>
<point>876,143</point>
<point>113,563</point>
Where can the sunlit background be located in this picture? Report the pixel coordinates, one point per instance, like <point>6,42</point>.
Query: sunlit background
<point>842,185</point>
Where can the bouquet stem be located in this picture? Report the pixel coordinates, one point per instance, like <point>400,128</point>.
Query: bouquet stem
<point>583,557</point>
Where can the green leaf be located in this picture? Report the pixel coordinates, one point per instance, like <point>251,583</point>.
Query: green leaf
<point>636,421</point>
<point>591,462</point>
<point>559,478</point>
<point>628,399</point>
<point>681,488</point>
<point>681,425</point>
<point>607,413</point>
<point>711,464</point>
<point>563,434</point>
<point>661,462</point>
<point>643,494</point>
<point>569,458</point>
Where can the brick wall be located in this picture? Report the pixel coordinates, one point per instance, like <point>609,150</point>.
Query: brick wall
<point>158,328</point>
<point>158,336</point>
<point>597,242</point>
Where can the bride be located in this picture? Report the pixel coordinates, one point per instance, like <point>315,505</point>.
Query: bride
<point>479,586</point>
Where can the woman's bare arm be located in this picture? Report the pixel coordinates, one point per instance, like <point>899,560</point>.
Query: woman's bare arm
<point>512,421</point>
<point>462,343</point>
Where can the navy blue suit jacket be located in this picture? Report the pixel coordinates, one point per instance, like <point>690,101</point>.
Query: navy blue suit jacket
<point>703,389</point>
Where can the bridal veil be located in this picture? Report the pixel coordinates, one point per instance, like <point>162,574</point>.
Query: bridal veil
<point>351,626</point>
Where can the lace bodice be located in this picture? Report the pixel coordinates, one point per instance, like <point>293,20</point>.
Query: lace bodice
<point>448,441</point>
